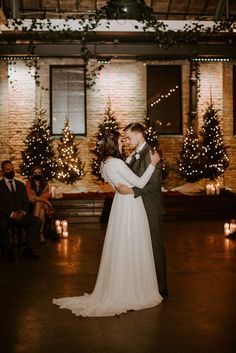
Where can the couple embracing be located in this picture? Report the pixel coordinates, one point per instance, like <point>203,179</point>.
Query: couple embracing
<point>132,272</point>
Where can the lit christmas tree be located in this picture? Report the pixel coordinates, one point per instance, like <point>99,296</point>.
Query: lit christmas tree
<point>190,161</point>
<point>69,165</point>
<point>151,136</point>
<point>215,157</point>
<point>39,150</point>
<point>108,125</point>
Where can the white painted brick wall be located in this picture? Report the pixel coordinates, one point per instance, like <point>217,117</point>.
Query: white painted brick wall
<point>124,83</point>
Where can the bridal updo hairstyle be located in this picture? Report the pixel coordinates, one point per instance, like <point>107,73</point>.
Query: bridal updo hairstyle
<point>110,147</point>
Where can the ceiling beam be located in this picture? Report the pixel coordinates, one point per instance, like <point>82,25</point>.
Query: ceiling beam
<point>187,9</point>
<point>168,9</point>
<point>123,50</point>
<point>15,9</point>
<point>3,18</point>
<point>220,8</point>
<point>206,3</point>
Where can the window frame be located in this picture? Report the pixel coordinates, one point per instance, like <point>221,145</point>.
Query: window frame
<point>79,132</point>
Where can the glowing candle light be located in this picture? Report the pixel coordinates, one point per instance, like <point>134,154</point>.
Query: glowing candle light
<point>53,191</point>
<point>64,226</point>
<point>226,229</point>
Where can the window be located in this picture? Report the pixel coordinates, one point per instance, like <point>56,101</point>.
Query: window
<point>234,98</point>
<point>68,99</point>
<point>164,106</point>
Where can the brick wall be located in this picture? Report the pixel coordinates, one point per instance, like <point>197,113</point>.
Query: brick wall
<point>230,139</point>
<point>17,109</point>
<point>124,83</point>
<point>216,83</point>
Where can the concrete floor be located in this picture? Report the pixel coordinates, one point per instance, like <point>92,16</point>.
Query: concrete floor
<point>199,316</point>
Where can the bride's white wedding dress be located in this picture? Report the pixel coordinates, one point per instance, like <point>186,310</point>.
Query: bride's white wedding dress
<point>126,279</point>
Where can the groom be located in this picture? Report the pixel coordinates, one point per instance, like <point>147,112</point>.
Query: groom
<point>152,197</point>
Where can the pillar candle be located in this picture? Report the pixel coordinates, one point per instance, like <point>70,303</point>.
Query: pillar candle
<point>57,223</point>
<point>208,189</point>
<point>232,227</point>
<point>64,226</point>
<point>59,230</point>
<point>217,188</point>
<point>53,191</point>
<point>226,229</point>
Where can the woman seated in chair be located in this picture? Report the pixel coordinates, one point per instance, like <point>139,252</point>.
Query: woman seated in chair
<point>38,193</point>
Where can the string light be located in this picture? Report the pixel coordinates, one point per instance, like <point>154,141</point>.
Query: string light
<point>210,59</point>
<point>11,58</point>
<point>69,165</point>
<point>207,159</point>
<point>38,149</point>
<point>163,96</point>
<point>104,60</point>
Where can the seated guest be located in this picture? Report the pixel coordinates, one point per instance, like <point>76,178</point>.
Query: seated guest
<point>14,211</point>
<point>38,194</point>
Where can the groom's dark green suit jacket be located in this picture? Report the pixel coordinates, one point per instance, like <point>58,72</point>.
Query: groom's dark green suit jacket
<point>153,203</point>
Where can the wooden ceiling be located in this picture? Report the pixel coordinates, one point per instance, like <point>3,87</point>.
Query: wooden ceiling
<point>163,9</point>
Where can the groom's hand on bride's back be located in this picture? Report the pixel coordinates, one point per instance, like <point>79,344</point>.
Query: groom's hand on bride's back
<point>154,157</point>
<point>123,189</point>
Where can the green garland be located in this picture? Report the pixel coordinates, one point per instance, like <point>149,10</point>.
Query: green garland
<point>157,30</point>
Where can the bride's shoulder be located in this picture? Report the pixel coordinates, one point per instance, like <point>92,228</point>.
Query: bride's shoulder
<point>114,161</point>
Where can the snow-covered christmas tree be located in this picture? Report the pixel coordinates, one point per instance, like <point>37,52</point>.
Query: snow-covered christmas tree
<point>215,158</point>
<point>108,125</point>
<point>70,168</point>
<point>39,150</point>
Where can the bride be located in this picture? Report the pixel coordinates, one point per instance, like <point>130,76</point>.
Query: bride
<point>126,278</point>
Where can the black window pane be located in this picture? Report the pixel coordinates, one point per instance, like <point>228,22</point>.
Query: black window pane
<point>164,107</point>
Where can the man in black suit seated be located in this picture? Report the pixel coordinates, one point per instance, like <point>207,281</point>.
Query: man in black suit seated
<point>14,211</point>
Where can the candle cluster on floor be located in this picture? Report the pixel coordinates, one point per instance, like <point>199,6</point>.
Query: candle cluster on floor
<point>230,228</point>
<point>62,228</point>
<point>213,188</point>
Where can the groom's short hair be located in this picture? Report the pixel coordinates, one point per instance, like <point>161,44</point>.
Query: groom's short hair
<point>135,127</point>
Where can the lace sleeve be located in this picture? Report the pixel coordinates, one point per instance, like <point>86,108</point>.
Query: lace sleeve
<point>126,173</point>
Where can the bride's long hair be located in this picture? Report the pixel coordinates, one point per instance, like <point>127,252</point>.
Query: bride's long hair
<point>110,146</point>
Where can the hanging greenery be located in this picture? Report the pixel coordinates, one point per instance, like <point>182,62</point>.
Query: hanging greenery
<point>80,28</point>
